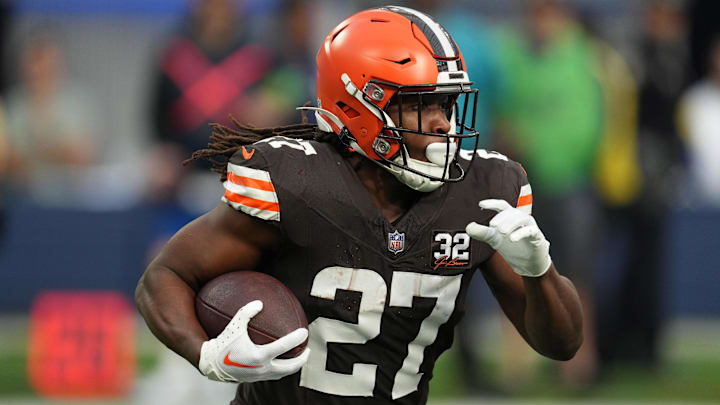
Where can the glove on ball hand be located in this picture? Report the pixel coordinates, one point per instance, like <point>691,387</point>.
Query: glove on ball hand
<point>233,357</point>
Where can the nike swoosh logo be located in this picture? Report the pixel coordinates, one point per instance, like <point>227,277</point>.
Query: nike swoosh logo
<point>247,155</point>
<point>232,363</point>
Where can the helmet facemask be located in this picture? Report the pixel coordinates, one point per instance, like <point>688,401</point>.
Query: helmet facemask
<point>458,102</point>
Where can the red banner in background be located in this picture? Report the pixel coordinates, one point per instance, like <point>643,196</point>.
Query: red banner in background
<point>81,345</point>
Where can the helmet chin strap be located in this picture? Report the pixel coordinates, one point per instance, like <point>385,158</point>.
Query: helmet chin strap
<point>322,124</point>
<point>440,161</point>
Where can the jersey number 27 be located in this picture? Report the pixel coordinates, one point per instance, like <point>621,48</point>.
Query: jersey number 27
<point>405,285</point>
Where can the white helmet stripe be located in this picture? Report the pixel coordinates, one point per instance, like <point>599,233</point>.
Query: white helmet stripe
<point>438,33</point>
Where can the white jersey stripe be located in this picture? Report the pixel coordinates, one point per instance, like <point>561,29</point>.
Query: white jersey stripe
<point>249,172</point>
<point>269,196</point>
<point>256,212</point>
<point>253,201</point>
<point>525,190</point>
<point>525,199</point>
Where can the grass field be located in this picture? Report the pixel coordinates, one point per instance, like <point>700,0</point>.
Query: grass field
<point>690,372</point>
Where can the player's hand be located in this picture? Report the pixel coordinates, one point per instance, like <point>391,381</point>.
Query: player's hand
<point>515,235</point>
<point>233,357</point>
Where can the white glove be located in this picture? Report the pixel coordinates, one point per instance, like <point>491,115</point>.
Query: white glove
<point>515,235</point>
<point>233,357</point>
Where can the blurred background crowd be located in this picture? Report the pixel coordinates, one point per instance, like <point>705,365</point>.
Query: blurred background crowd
<point>613,107</point>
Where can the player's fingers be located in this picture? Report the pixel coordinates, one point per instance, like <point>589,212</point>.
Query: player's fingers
<point>244,314</point>
<point>285,343</point>
<point>500,218</point>
<point>479,232</point>
<point>289,366</point>
<point>524,232</point>
<point>483,233</point>
<point>513,221</point>
<point>252,308</point>
<point>494,204</point>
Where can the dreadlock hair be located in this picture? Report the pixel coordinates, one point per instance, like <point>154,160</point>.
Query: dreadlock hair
<point>225,141</point>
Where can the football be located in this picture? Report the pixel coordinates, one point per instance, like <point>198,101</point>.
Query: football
<point>217,302</point>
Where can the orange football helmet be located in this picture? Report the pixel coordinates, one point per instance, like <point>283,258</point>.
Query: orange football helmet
<point>388,52</point>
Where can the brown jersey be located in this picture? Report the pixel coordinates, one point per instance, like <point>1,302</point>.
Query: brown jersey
<point>381,298</point>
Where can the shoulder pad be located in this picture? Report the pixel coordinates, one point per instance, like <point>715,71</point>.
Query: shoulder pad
<point>506,178</point>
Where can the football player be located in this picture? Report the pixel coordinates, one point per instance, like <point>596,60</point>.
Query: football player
<point>374,218</point>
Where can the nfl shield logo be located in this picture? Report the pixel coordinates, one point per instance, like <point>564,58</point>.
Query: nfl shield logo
<point>396,242</point>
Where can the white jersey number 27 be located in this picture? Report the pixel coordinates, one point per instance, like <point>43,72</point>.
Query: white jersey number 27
<point>370,284</point>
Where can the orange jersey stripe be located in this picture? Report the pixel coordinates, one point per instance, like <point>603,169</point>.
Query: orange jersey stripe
<point>524,200</point>
<point>252,202</point>
<point>250,182</point>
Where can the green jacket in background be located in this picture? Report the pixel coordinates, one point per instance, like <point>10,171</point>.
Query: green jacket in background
<point>553,109</point>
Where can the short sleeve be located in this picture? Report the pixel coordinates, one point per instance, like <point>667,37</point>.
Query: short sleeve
<point>249,187</point>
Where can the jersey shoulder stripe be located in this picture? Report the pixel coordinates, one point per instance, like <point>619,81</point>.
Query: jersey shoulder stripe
<point>525,199</point>
<point>505,178</point>
<point>252,192</point>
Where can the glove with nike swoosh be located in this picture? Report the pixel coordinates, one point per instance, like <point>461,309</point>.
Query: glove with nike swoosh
<point>516,236</point>
<point>233,357</point>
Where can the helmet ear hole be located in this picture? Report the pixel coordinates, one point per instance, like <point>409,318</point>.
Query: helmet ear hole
<point>347,110</point>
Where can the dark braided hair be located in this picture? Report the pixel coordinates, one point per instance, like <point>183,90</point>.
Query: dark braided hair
<point>225,141</point>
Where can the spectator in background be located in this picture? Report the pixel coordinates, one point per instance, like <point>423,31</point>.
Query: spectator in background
<point>51,123</point>
<point>552,113</point>
<point>207,71</point>
<point>630,308</point>
<point>4,156</point>
<point>4,28</point>
<point>4,152</point>
<point>703,28</point>
<point>617,172</point>
<point>618,181</point>
<point>291,82</point>
<point>700,115</point>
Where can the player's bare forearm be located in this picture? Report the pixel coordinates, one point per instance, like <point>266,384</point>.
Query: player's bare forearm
<point>553,315</point>
<point>545,310</point>
<point>218,242</point>
<point>167,304</point>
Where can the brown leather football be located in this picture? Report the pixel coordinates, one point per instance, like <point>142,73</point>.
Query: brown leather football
<point>217,302</point>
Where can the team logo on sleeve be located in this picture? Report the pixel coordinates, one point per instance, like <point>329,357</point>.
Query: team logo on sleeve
<point>396,242</point>
<point>450,250</point>
<point>247,155</point>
